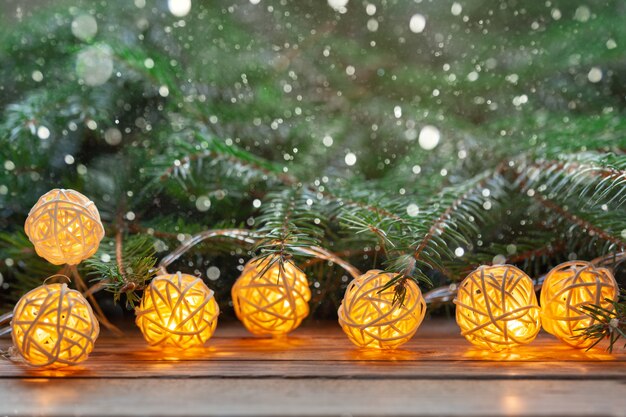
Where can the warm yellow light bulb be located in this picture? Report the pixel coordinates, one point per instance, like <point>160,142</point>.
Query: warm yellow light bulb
<point>177,310</point>
<point>54,326</point>
<point>371,319</point>
<point>271,298</point>
<point>565,290</point>
<point>65,227</point>
<point>496,308</point>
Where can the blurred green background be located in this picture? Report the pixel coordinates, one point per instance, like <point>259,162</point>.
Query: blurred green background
<point>392,97</point>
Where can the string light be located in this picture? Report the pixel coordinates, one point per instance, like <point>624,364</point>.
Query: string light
<point>566,289</point>
<point>177,310</point>
<point>271,296</point>
<point>65,227</point>
<point>54,326</point>
<point>373,317</point>
<point>496,308</point>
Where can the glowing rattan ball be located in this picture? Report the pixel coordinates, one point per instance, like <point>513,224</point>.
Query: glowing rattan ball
<point>496,308</point>
<point>271,298</point>
<point>64,227</point>
<point>54,326</point>
<point>177,310</point>
<point>565,290</point>
<point>371,319</point>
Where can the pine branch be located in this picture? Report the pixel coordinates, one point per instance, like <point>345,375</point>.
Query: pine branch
<point>217,150</point>
<point>598,178</point>
<point>589,227</point>
<point>289,221</point>
<point>453,220</point>
<point>21,268</point>
<point>608,323</point>
<point>123,270</point>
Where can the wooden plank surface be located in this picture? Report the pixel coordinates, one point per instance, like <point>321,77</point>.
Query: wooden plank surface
<point>316,371</point>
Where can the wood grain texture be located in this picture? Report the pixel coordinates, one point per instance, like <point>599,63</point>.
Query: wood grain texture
<point>317,371</point>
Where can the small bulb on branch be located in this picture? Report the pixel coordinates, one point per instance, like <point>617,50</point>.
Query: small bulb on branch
<point>65,227</point>
<point>177,310</point>
<point>496,308</point>
<point>54,326</point>
<point>373,317</point>
<point>271,296</point>
<point>566,289</point>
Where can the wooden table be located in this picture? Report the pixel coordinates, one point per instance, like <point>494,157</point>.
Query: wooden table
<point>316,371</point>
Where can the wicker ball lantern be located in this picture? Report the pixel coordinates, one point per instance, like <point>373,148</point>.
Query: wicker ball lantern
<point>177,310</point>
<point>496,308</point>
<point>64,226</point>
<point>54,326</point>
<point>565,290</point>
<point>372,318</point>
<point>271,298</point>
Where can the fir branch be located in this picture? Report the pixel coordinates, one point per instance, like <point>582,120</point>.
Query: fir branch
<point>608,323</point>
<point>589,227</point>
<point>289,221</point>
<point>227,153</point>
<point>453,219</point>
<point>124,273</point>
<point>598,178</point>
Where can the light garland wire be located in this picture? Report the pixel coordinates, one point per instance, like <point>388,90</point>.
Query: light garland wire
<point>268,300</point>
<point>250,237</point>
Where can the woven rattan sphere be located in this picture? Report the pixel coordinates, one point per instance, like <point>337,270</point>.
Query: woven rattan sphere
<point>565,290</point>
<point>370,318</point>
<point>54,326</point>
<point>64,227</point>
<point>271,298</point>
<point>496,308</point>
<point>177,310</point>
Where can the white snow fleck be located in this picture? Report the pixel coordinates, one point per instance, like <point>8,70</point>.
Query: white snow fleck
<point>498,260</point>
<point>595,75</point>
<point>417,24</point>
<point>37,76</point>
<point>43,132</point>
<point>213,273</point>
<point>338,5</point>
<point>372,25</point>
<point>84,27</point>
<point>113,136</point>
<point>582,14</point>
<point>456,9</point>
<point>94,64</point>
<point>179,8</point>
<point>429,137</point>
